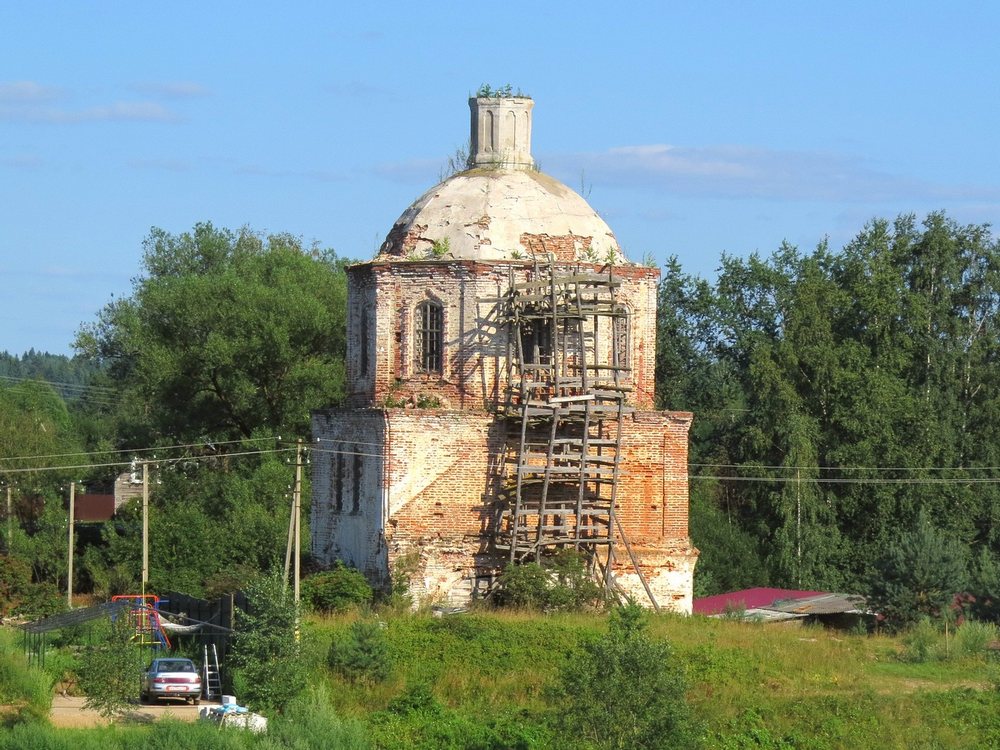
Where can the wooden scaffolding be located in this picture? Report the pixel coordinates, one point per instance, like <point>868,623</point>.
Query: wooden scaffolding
<point>566,399</point>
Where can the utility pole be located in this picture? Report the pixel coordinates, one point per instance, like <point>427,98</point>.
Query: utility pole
<point>798,527</point>
<point>10,521</point>
<point>288,547</point>
<point>297,501</point>
<point>145,525</point>
<point>69,572</point>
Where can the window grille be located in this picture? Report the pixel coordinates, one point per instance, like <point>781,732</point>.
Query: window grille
<point>429,337</point>
<point>537,342</point>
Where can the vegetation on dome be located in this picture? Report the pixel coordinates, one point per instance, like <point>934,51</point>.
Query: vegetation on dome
<point>500,92</point>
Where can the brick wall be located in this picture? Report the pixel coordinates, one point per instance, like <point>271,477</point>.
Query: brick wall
<point>416,489</point>
<point>429,481</point>
<point>348,510</point>
<point>382,301</point>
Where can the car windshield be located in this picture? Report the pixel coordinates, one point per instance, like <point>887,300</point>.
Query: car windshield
<point>177,665</point>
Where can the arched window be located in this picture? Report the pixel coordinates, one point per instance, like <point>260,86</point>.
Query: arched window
<point>620,340</point>
<point>363,343</point>
<point>429,342</point>
<point>536,342</point>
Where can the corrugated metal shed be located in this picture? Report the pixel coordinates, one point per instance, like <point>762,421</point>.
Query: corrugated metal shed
<point>776,604</point>
<point>746,599</point>
<point>822,604</point>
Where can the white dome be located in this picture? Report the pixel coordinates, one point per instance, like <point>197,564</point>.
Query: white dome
<point>493,213</point>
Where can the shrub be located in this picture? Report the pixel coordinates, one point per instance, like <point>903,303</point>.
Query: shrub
<point>525,585</point>
<point>922,642</point>
<point>336,590</point>
<point>269,671</point>
<point>15,578</point>
<point>109,671</point>
<point>399,598</point>
<point>625,689</point>
<point>25,692</point>
<point>311,724</point>
<point>563,582</point>
<point>362,653</point>
<point>985,586</point>
<point>918,575</point>
<point>973,638</point>
<point>41,600</point>
<point>418,719</point>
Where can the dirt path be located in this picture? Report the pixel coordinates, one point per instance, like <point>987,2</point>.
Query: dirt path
<point>69,712</point>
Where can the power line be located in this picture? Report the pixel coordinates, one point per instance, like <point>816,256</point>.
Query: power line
<point>203,444</point>
<point>61,384</point>
<point>846,480</point>
<point>846,468</point>
<point>355,444</point>
<point>129,463</point>
<point>96,400</point>
<point>97,393</point>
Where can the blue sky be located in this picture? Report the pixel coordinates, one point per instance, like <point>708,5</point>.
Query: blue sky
<point>693,128</point>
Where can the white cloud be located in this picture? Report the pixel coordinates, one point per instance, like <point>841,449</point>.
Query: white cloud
<point>319,175</point>
<point>118,111</point>
<point>172,89</point>
<point>166,165</point>
<point>413,171</point>
<point>748,172</point>
<point>360,90</point>
<point>21,161</point>
<point>27,92</point>
<point>30,101</point>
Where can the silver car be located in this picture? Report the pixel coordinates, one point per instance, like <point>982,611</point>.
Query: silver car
<point>171,678</point>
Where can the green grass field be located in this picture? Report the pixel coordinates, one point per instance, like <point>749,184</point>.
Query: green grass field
<point>481,681</point>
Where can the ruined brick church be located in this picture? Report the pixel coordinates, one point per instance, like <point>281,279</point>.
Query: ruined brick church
<point>500,359</point>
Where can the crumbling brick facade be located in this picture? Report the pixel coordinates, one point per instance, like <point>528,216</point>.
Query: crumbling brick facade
<point>406,477</point>
<point>417,489</point>
<point>382,300</point>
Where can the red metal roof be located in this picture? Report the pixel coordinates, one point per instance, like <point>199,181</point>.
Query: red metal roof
<point>94,508</point>
<point>746,599</point>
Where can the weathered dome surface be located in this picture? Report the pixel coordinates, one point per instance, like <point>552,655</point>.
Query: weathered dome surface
<point>491,213</point>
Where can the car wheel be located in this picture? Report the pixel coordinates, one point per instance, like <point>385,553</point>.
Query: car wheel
<point>143,698</point>
<point>196,701</point>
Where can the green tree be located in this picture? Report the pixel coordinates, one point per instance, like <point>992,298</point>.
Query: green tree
<point>213,523</point>
<point>224,333</point>
<point>15,579</point>
<point>836,394</point>
<point>918,575</point>
<point>362,653</point>
<point>35,426</point>
<point>109,670</point>
<point>985,586</point>
<point>267,648</point>
<point>624,690</point>
<point>40,540</point>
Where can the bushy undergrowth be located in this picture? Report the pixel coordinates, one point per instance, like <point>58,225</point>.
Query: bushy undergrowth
<point>561,582</point>
<point>624,689</point>
<point>485,680</point>
<point>336,590</point>
<point>417,719</point>
<point>361,653</point>
<point>25,692</point>
<point>315,728</point>
<point>267,660</point>
<point>926,641</point>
